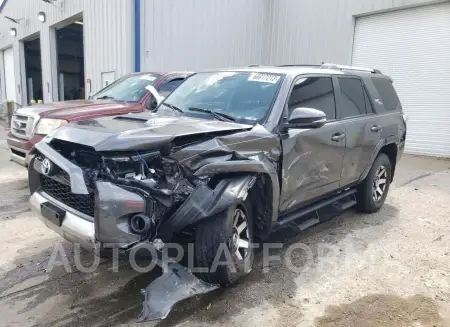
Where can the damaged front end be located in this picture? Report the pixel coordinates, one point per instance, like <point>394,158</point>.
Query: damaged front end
<point>127,199</point>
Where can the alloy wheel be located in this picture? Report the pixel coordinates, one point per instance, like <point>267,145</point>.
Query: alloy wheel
<point>240,241</point>
<point>379,183</point>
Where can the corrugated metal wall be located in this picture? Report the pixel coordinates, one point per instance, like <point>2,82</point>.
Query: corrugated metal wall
<point>306,31</point>
<point>203,34</point>
<point>108,37</point>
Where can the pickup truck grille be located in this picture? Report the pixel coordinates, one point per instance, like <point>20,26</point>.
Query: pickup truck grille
<point>81,202</point>
<point>22,126</point>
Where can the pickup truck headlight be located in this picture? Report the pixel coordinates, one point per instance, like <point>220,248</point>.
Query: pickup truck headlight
<point>46,125</point>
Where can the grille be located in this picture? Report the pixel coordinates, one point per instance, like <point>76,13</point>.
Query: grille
<point>61,192</point>
<point>22,126</point>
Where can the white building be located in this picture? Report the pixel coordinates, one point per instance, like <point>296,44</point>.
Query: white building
<point>81,45</point>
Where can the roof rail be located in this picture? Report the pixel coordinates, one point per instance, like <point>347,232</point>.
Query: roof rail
<point>341,67</point>
<point>298,65</point>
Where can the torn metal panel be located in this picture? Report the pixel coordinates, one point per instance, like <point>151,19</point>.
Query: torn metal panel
<point>205,202</point>
<point>175,285</point>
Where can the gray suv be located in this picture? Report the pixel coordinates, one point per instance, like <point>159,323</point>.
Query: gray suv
<point>227,157</point>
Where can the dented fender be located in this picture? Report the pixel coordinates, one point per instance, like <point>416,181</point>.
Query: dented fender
<point>205,202</point>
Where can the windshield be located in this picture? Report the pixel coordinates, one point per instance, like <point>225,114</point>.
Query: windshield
<point>247,97</point>
<point>128,89</point>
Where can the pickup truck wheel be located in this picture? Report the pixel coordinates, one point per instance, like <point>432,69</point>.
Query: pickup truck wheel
<point>224,237</point>
<point>373,190</point>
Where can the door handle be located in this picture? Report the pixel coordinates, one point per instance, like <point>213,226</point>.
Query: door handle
<point>338,137</point>
<point>375,128</point>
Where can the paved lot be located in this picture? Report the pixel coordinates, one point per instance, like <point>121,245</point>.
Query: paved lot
<point>387,269</point>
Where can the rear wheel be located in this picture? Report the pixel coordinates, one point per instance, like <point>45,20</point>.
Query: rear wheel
<point>373,190</point>
<point>223,245</point>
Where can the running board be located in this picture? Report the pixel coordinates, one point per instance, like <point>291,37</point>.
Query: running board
<point>336,201</point>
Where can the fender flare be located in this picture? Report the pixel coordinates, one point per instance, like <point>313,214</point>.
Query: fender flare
<point>382,143</point>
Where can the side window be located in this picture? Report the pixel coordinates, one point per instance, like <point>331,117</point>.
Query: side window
<point>168,87</point>
<point>353,101</point>
<point>314,92</point>
<point>387,93</point>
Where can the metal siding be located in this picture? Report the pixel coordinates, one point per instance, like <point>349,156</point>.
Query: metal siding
<point>108,33</point>
<point>203,34</point>
<point>413,47</point>
<point>306,31</point>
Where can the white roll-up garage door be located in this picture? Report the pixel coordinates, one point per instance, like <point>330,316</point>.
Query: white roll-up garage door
<point>413,47</point>
<point>10,81</point>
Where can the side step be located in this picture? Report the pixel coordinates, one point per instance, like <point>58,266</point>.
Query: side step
<point>338,201</point>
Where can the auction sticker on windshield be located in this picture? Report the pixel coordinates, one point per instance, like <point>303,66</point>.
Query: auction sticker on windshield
<point>264,78</point>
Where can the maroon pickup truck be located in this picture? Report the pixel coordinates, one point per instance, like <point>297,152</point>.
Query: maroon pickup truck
<point>128,94</point>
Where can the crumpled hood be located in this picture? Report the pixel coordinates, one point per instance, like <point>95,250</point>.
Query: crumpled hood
<point>140,131</point>
<point>77,109</point>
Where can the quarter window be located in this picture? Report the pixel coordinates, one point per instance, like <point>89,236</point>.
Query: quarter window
<point>387,93</point>
<point>353,98</point>
<point>314,92</point>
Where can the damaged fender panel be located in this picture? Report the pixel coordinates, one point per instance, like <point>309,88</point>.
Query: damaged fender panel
<point>254,151</point>
<point>205,202</point>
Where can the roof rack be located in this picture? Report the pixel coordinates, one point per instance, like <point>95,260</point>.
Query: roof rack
<point>344,67</point>
<point>298,65</point>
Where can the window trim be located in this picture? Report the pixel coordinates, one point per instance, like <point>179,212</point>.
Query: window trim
<point>285,115</point>
<point>339,96</point>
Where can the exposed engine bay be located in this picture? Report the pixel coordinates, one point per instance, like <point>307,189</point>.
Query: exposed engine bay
<point>159,179</point>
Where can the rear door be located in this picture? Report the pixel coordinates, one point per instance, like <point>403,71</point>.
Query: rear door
<point>362,126</point>
<point>312,158</point>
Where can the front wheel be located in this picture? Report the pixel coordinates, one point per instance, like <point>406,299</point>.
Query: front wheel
<point>372,192</point>
<point>223,245</point>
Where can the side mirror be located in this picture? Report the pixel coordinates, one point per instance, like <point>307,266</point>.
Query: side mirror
<point>158,98</point>
<point>306,118</point>
<point>151,103</point>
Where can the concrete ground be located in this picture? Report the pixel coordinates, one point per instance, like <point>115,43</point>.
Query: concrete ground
<point>386,269</point>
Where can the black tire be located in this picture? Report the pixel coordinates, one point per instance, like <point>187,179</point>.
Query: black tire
<point>213,232</point>
<point>365,197</point>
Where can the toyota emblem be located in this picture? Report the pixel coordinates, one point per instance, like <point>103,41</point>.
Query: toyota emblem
<point>46,166</point>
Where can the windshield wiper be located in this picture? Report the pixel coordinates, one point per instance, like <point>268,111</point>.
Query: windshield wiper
<point>105,97</point>
<point>217,115</point>
<point>171,106</point>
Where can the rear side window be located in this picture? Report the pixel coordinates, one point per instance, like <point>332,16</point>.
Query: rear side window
<point>353,98</point>
<point>314,92</point>
<point>387,93</point>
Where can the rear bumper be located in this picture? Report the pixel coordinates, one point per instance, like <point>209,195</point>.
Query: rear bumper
<point>19,148</point>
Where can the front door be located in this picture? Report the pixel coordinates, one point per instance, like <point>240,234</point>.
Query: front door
<point>312,158</point>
